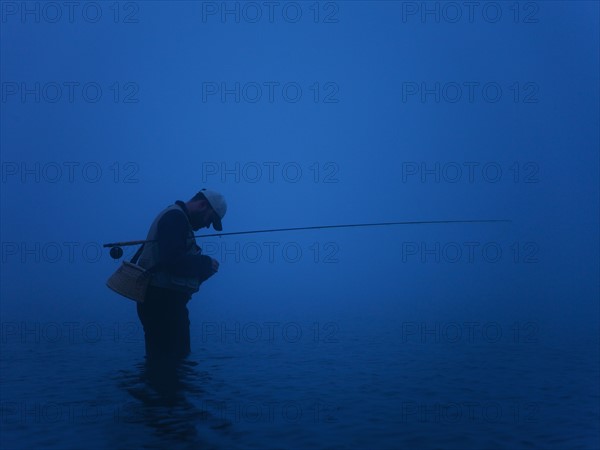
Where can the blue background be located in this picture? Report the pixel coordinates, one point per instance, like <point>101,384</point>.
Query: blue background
<point>164,135</point>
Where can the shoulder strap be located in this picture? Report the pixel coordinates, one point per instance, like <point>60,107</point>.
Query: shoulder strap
<point>137,254</point>
<point>159,265</point>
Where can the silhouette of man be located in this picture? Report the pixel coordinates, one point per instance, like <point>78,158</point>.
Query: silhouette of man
<point>178,268</point>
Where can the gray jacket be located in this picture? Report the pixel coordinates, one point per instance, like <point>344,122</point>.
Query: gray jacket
<point>173,253</point>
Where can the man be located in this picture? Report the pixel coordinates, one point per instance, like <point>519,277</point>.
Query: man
<point>178,269</point>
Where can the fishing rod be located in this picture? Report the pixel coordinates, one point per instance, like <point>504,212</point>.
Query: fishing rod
<point>116,251</point>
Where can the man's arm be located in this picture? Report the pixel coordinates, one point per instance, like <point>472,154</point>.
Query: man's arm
<point>172,235</point>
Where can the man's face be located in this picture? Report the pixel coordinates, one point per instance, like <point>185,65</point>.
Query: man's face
<point>202,215</point>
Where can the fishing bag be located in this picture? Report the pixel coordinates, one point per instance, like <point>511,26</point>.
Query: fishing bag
<point>130,280</point>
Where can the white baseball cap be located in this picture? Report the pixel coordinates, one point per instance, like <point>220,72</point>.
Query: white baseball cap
<point>218,203</point>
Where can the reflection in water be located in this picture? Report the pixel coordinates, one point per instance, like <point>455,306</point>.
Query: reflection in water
<point>163,397</point>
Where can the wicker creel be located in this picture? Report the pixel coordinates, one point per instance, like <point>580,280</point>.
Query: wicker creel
<point>131,281</point>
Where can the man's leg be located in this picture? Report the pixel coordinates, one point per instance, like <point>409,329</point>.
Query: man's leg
<point>153,315</point>
<point>165,318</point>
<point>181,327</point>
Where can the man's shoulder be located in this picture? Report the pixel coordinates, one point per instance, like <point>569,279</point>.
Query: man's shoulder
<point>173,217</point>
<point>171,210</point>
<point>173,213</point>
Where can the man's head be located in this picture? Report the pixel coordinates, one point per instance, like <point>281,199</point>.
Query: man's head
<point>207,207</point>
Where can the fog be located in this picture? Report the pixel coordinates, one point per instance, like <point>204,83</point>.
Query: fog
<point>350,113</point>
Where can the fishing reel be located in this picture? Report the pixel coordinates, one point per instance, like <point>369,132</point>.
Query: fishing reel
<point>116,252</point>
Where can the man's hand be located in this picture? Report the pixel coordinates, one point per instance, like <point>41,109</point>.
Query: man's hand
<point>215,266</point>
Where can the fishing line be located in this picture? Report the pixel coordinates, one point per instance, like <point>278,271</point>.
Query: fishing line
<point>116,251</point>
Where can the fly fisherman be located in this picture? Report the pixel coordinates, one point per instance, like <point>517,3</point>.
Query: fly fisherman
<point>179,269</point>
